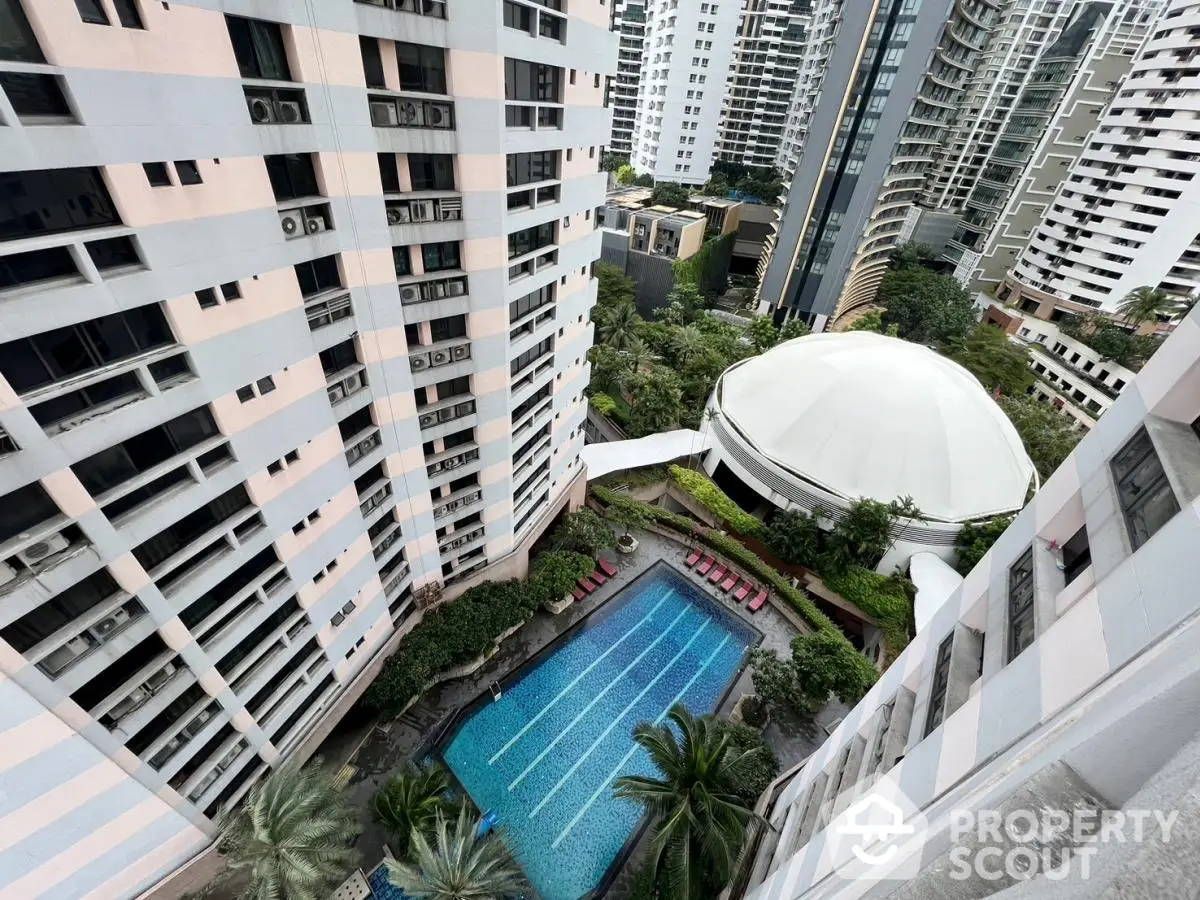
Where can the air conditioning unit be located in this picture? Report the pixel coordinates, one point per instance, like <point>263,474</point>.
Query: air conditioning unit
<point>379,496</point>
<point>457,287</point>
<point>451,208</point>
<point>445,415</point>
<point>639,230</point>
<point>417,363</point>
<point>438,115</point>
<point>422,210</point>
<point>451,463</point>
<point>314,225</point>
<point>336,392</point>
<point>398,215</point>
<point>67,654</point>
<point>409,293</point>
<point>112,623</point>
<point>383,115</point>
<point>439,357</point>
<point>289,111</point>
<point>439,289</point>
<point>411,115</point>
<point>353,382</point>
<point>292,223</point>
<point>194,727</point>
<point>462,351</point>
<point>40,550</point>
<point>129,704</point>
<point>228,758</point>
<point>354,454</point>
<point>162,676</point>
<point>7,573</point>
<point>428,420</point>
<point>261,109</point>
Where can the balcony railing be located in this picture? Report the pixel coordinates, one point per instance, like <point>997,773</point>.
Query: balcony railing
<point>435,9</point>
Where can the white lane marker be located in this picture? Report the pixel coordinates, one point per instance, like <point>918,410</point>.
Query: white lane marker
<point>596,743</point>
<point>516,737</point>
<point>632,750</point>
<point>600,696</point>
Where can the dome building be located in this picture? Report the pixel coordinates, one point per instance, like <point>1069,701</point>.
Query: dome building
<point>823,420</point>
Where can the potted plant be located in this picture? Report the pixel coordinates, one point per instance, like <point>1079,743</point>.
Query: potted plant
<point>630,517</point>
<point>751,711</point>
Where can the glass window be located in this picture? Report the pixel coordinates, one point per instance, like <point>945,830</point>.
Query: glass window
<point>530,302</point>
<point>441,256</point>
<point>389,175</point>
<point>402,261</point>
<point>36,202</point>
<point>91,11</point>
<point>36,265</point>
<point>33,94</point>
<point>421,68</point>
<point>1077,555</point>
<point>259,48</point>
<point>127,13</point>
<point>59,612</point>
<point>941,680</point>
<point>188,172</point>
<point>448,328</point>
<point>157,174</point>
<point>372,61</point>
<point>158,549</point>
<point>529,81</point>
<point>318,275</point>
<point>431,171</point>
<point>17,41</point>
<point>114,252</point>
<point>23,509</point>
<point>1143,492</point>
<point>529,239</point>
<point>292,175</point>
<point>1020,605</point>
<point>524,168</point>
<point>114,466</point>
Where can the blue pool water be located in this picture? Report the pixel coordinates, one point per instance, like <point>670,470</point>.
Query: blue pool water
<point>545,756</point>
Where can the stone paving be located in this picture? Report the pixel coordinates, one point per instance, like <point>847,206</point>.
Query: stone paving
<point>377,750</point>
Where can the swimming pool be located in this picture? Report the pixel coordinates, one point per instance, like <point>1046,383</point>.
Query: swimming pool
<point>545,756</point>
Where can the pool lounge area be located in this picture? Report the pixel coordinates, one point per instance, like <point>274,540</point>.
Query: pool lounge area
<point>545,756</point>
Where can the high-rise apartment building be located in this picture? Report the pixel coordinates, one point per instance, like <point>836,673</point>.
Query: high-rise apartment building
<point>820,29</point>
<point>1067,90</point>
<point>892,86</point>
<point>295,313</point>
<point>685,63</point>
<point>771,40</point>
<point>1051,683</point>
<point>1127,213</point>
<point>629,23</point>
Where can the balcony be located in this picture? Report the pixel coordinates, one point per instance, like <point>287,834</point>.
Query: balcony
<point>457,501</point>
<point>420,361</point>
<point>346,383</point>
<point>326,308</point>
<point>362,445</point>
<point>448,463</point>
<point>374,497</point>
<point>276,105</point>
<point>454,541</point>
<point>437,209</point>
<point>435,9</point>
<point>387,538</point>
<point>304,221</point>
<point>398,112</point>
<point>427,291</point>
<point>431,418</point>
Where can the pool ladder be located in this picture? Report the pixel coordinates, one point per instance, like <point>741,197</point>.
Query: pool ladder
<point>494,687</point>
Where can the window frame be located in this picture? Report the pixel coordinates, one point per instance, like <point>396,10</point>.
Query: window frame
<point>1125,466</point>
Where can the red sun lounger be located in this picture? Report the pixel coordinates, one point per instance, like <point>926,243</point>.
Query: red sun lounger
<point>587,584</point>
<point>740,594</point>
<point>718,573</point>
<point>703,568</point>
<point>693,559</point>
<point>607,568</point>
<point>598,577</point>
<point>757,603</point>
<point>578,594</point>
<point>728,584</point>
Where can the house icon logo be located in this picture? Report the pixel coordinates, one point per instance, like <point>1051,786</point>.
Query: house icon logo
<point>874,820</point>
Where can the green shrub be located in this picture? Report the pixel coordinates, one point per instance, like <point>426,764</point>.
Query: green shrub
<point>555,573</point>
<point>582,532</point>
<point>603,404</point>
<point>889,600</point>
<point>716,501</point>
<point>754,711</point>
<point>795,537</point>
<point>975,539</point>
<point>760,770</point>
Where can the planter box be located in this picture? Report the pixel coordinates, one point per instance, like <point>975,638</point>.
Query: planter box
<point>735,715</point>
<point>555,607</point>
<point>627,544</point>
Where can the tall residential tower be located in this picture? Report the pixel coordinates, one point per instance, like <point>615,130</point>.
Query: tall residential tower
<point>294,312</point>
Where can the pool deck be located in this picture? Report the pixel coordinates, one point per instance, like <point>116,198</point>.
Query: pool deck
<point>378,750</point>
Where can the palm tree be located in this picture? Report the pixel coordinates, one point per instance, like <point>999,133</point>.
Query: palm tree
<point>698,821</point>
<point>292,835</point>
<point>1147,304</point>
<point>687,343</point>
<point>411,802</point>
<point>462,865</point>
<point>618,325</point>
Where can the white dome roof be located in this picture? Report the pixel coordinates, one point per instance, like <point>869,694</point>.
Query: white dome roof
<point>864,415</point>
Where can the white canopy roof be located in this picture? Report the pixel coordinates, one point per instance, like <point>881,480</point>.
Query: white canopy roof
<point>936,580</point>
<point>865,415</point>
<point>610,456</point>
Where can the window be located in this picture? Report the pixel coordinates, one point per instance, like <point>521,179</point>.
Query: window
<point>527,81</point>
<point>60,611</point>
<point>231,290</point>
<point>34,95</point>
<point>389,174</point>
<point>207,298</point>
<point>318,275</point>
<point>91,11</point>
<point>440,257</point>
<point>157,174</point>
<point>158,549</point>
<point>259,48</point>
<point>1143,492</point>
<point>47,202</point>
<point>23,509</point>
<point>114,252</point>
<point>1077,555</point>
<point>421,68</point>
<point>527,304</point>
<point>62,353</point>
<point>127,13</point>
<point>529,239</point>
<point>431,171</point>
<point>292,175</point>
<point>402,261</point>
<point>17,41</point>
<point>448,328</point>
<point>338,357</point>
<point>1020,605</point>
<point>941,680</point>
<point>518,16</point>
<point>530,355</point>
<point>188,172</point>
<point>36,265</point>
<point>372,61</point>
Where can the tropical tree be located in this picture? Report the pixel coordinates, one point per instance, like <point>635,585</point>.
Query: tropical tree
<point>872,320</point>
<point>613,286</point>
<point>618,325</point>
<point>637,353</point>
<point>610,367</point>
<point>459,865</point>
<point>912,255</point>
<point>1147,304</point>
<point>555,573</point>
<point>698,821</point>
<point>998,363</point>
<point>826,663</point>
<point>974,539</point>
<point>717,186</point>
<point>411,801</point>
<point>795,537</point>
<point>582,531</point>
<point>291,835</point>
<point>687,343</point>
<point>644,180</point>
<point>861,537</point>
<point>613,162</point>
<point>793,328</point>
<point>628,516</point>
<point>657,402</point>
<point>762,334</point>
<point>669,193</point>
<point>927,307</point>
<point>1046,433</point>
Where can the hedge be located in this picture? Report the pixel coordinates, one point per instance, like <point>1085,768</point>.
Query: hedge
<point>885,599</point>
<point>731,549</point>
<point>716,501</point>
